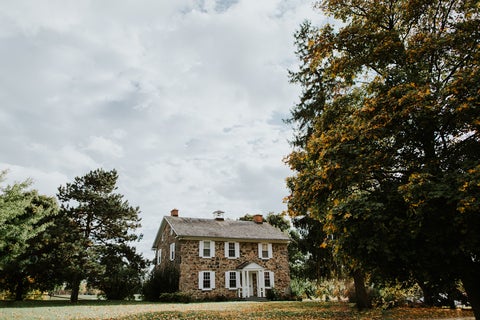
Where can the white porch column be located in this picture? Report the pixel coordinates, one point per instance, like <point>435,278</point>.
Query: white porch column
<point>261,284</point>
<point>245,284</point>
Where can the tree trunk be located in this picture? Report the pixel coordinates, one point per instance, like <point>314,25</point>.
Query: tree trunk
<point>363,301</point>
<point>75,289</point>
<point>471,283</point>
<point>427,294</point>
<point>19,291</point>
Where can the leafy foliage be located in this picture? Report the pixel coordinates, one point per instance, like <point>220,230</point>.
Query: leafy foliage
<point>122,272</point>
<point>387,145</point>
<point>161,280</point>
<point>95,219</point>
<point>26,217</point>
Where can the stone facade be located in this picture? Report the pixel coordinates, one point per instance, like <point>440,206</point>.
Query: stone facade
<point>191,264</point>
<point>163,249</point>
<point>250,269</point>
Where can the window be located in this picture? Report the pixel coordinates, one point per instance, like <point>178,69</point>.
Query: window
<point>232,250</point>
<point>206,249</point>
<point>232,280</point>
<point>206,280</point>
<point>268,277</point>
<point>159,256</point>
<point>264,250</point>
<point>172,251</point>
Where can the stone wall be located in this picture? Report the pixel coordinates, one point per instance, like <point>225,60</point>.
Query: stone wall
<point>191,264</point>
<point>168,237</point>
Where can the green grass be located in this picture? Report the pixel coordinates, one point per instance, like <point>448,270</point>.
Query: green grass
<point>125,310</point>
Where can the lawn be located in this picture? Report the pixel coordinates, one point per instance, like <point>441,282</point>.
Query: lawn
<point>219,310</point>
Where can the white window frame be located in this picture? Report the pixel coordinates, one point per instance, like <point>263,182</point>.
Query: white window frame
<point>227,250</point>
<point>201,279</point>
<point>269,251</point>
<point>201,249</point>
<point>159,256</point>
<point>228,275</point>
<point>172,251</point>
<point>271,276</point>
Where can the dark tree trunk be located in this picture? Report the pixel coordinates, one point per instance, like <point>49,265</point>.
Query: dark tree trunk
<point>427,294</point>
<point>19,291</point>
<point>471,283</point>
<point>363,301</point>
<point>75,289</point>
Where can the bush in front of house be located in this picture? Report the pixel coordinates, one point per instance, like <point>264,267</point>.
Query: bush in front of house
<point>164,280</point>
<point>175,297</point>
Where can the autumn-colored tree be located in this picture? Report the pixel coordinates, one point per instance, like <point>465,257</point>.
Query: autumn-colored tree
<point>387,148</point>
<point>93,216</point>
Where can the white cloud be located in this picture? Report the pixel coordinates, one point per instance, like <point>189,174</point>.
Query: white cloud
<point>105,147</point>
<point>184,98</point>
<point>46,181</point>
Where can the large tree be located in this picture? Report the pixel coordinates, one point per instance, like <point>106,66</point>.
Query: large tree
<point>25,218</point>
<point>93,216</point>
<point>387,151</point>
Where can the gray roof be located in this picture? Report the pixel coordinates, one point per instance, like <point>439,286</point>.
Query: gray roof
<point>195,228</point>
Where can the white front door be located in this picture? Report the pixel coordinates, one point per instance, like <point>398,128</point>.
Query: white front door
<point>253,283</point>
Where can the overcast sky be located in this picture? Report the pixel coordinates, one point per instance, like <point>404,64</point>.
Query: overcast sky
<point>185,99</point>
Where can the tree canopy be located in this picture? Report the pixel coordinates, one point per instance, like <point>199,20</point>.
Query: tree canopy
<point>17,223</point>
<point>25,218</point>
<point>95,217</point>
<point>387,147</point>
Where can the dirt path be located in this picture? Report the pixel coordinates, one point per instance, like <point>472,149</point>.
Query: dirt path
<point>113,311</point>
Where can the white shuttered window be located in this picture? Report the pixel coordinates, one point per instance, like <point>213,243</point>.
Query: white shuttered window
<point>268,277</point>
<point>206,280</point>
<point>232,250</point>
<point>232,280</point>
<point>206,248</point>
<point>265,250</point>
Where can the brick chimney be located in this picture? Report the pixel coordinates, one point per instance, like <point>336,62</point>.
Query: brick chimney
<point>174,213</point>
<point>258,218</point>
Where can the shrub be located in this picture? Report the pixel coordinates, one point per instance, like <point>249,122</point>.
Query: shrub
<point>273,294</point>
<point>395,294</point>
<point>175,297</point>
<point>303,288</point>
<point>164,280</point>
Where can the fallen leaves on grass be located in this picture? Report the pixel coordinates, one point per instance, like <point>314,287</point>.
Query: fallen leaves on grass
<point>303,311</point>
<point>240,310</point>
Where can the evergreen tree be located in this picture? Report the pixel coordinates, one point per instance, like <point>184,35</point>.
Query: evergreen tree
<point>93,216</point>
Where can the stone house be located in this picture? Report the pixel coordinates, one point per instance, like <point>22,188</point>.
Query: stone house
<point>223,258</point>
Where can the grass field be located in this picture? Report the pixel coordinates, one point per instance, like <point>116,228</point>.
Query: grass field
<point>217,310</point>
